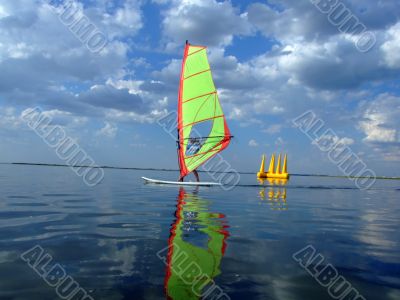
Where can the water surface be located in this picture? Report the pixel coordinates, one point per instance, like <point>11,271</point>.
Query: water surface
<point>126,240</point>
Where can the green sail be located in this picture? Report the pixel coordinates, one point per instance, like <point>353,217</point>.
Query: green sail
<point>199,105</point>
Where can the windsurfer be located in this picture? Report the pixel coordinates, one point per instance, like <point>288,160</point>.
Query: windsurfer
<point>195,175</point>
<point>198,108</point>
<point>193,147</point>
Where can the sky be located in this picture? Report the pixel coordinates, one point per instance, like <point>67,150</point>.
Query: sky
<point>272,61</point>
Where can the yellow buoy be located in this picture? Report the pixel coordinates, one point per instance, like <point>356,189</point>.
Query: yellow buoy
<point>262,168</point>
<point>278,173</point>
<point>272,164</point>
<point>284,169</point>
<point>278,166</point>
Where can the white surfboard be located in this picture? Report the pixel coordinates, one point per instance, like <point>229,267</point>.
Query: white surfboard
<point>193,183</point>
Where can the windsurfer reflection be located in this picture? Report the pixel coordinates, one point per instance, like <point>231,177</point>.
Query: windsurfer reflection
<point>196,246</point>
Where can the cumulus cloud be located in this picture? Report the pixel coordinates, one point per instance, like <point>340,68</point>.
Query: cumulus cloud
<point>273,129</point>
<point>391,48</point>
<point>333,142</point>
<point>63,118</point>
<point>317,54</point>
<point>380,124</point>
<point>381,120</point>
<point>107,96</point>
<point>253,143</point>
<point>207,22</point>
<point>44,63</point>
<point>12,119</point>
<point>280,142</point>
<point>123,21</point>
<point>109,130</point>
<point>9,119</point>
<point>333,65</point>
<point>293,22</point>
<point>300,21</point>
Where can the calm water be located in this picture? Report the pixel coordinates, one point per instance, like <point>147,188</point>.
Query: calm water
<point>127,240</point>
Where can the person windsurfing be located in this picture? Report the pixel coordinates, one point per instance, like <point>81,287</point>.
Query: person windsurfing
<point>193,147</point>
<point>198,105</point>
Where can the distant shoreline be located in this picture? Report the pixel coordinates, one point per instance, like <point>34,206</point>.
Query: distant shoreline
<point>176,170</point>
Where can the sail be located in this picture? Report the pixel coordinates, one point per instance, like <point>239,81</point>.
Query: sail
<point>202,128</point>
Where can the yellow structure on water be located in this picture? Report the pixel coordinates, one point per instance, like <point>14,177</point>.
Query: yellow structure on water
<point>278,173</point>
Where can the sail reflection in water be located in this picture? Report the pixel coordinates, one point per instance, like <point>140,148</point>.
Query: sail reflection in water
<point>196,246</point>
<point>276,193</point>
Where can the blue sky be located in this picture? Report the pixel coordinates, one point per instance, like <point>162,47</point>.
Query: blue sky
<point>271,61</point>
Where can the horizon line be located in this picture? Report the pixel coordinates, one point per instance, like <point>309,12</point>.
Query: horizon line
<point>176,170</point>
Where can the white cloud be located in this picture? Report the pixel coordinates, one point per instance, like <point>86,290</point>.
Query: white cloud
<point>109,130</point>
<point>207,22</point>
<point>9,119</point>
<point>138,145</point>
<point>19,50</point>
<point>279,142</point>
<point>133,86</point>
<point>3,12</point>
<point>64,118</point>
<point>38,52</point>
<point>381,125</point>
<point>314,53</point>
<point>391,48</point>
<point>381,120</point>
<point>273,129</point>
<point>333,143</point>
<point>346,141</point>
<point>300,21</point>
<point>120,116</point>
<point>253,143</point>
<point>376,132</point>
<point>126,20</point>
<point>334,140</point>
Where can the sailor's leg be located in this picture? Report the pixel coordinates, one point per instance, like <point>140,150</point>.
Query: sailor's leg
<point>196,175</point>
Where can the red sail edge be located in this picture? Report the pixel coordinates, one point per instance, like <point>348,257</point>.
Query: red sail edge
<point>181,156</point>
